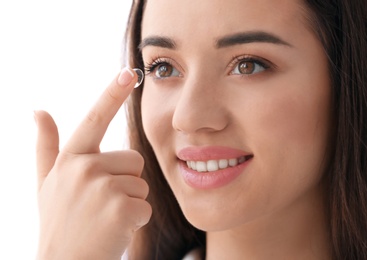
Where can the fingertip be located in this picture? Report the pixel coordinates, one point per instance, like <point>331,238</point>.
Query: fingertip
<point>40,113</point>
<point>45,122</point>
<point>35,117</point>
<point>37,114</point>
<point>47,144</point>
<point>125,77</point>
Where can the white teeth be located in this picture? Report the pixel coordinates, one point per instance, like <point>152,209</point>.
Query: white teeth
<point>214,165</point>
<point>233,162</point>
<point>223,163</point>
<point>201,166</point>
<point>193,165</point>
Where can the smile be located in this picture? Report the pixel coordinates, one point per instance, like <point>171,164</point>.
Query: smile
<point>215,165</point>
<point>210,167</point>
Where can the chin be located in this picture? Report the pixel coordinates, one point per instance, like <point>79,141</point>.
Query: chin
<point>209,221</point>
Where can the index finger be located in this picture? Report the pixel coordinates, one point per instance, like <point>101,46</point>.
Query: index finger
<point>89,134</point>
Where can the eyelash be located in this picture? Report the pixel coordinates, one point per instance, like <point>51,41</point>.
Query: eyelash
<point>151,66</point>
<point>236,60</point>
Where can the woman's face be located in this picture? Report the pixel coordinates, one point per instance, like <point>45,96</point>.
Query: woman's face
<point>240,90</point>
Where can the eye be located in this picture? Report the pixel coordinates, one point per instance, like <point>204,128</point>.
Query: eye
<point>248,66</point>
<point>165,70</point>
<point>161,69</point>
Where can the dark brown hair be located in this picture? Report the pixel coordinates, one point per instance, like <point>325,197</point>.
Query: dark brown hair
<point>341,27</point>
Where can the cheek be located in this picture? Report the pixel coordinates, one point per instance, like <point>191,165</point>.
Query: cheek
<point>288,132</point>
<point>157,111</point>
<point>291,132</point>
<point>297,121</point>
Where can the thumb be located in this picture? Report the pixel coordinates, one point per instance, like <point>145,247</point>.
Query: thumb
<point>47,146</point>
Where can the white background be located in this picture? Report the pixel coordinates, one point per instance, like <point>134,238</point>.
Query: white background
<point>56,56</point>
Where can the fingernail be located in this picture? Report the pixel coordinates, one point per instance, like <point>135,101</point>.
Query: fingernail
<point>140,74</point>
<point>126,76</point>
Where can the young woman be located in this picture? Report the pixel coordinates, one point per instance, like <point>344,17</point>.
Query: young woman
<point>250,131</point>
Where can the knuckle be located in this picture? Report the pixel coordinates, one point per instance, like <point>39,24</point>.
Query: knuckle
<point>144,188</point>
<point>148,210</point>
<point>113,95</point>
<point>137,158</point>
<point>93,118</point>
<point>81,163</point>
<point>101,185</point>
<point>135,154</point>
<point>139,216</point>
<point>146,214</point>
<point>122,206</point>
<point>131,213</point>
<point>64,158</point>
<point>64,161</point>
<point>88,165</point>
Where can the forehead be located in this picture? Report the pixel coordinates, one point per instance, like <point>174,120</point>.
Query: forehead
<point>193,19</point>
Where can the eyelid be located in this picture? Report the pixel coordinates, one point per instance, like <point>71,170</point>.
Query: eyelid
<point>158,60</point>
<point>246,57</point>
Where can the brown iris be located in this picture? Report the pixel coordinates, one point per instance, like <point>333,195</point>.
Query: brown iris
<point>246,67</point>
<point>164,70</point>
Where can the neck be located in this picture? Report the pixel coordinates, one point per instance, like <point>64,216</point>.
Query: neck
<point>299,231</point>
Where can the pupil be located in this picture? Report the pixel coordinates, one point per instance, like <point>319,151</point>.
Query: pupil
<point>246,67</point>
<point>164,71</point>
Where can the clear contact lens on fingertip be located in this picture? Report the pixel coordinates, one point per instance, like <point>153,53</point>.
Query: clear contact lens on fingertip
<point>140,74</point>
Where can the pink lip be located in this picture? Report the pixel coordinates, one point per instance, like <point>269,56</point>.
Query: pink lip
<point>206,153</point>
<point>214,179</point>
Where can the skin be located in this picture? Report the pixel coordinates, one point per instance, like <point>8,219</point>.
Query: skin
<point>282,115</point>
<point>90,203</point>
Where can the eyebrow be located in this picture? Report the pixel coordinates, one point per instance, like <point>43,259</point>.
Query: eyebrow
<point>250,37</point>
<point>158,41</point>
<point>226,41</point>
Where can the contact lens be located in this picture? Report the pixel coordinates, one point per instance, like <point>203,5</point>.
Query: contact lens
<point>140,74</point>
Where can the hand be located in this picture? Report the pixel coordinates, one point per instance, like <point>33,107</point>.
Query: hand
<point>90,203</point>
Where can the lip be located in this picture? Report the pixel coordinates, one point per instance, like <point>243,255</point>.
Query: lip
<point>206,153</point>
<point>214,179</point>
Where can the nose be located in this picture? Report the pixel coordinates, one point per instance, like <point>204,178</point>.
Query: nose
<point>201,107</point>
